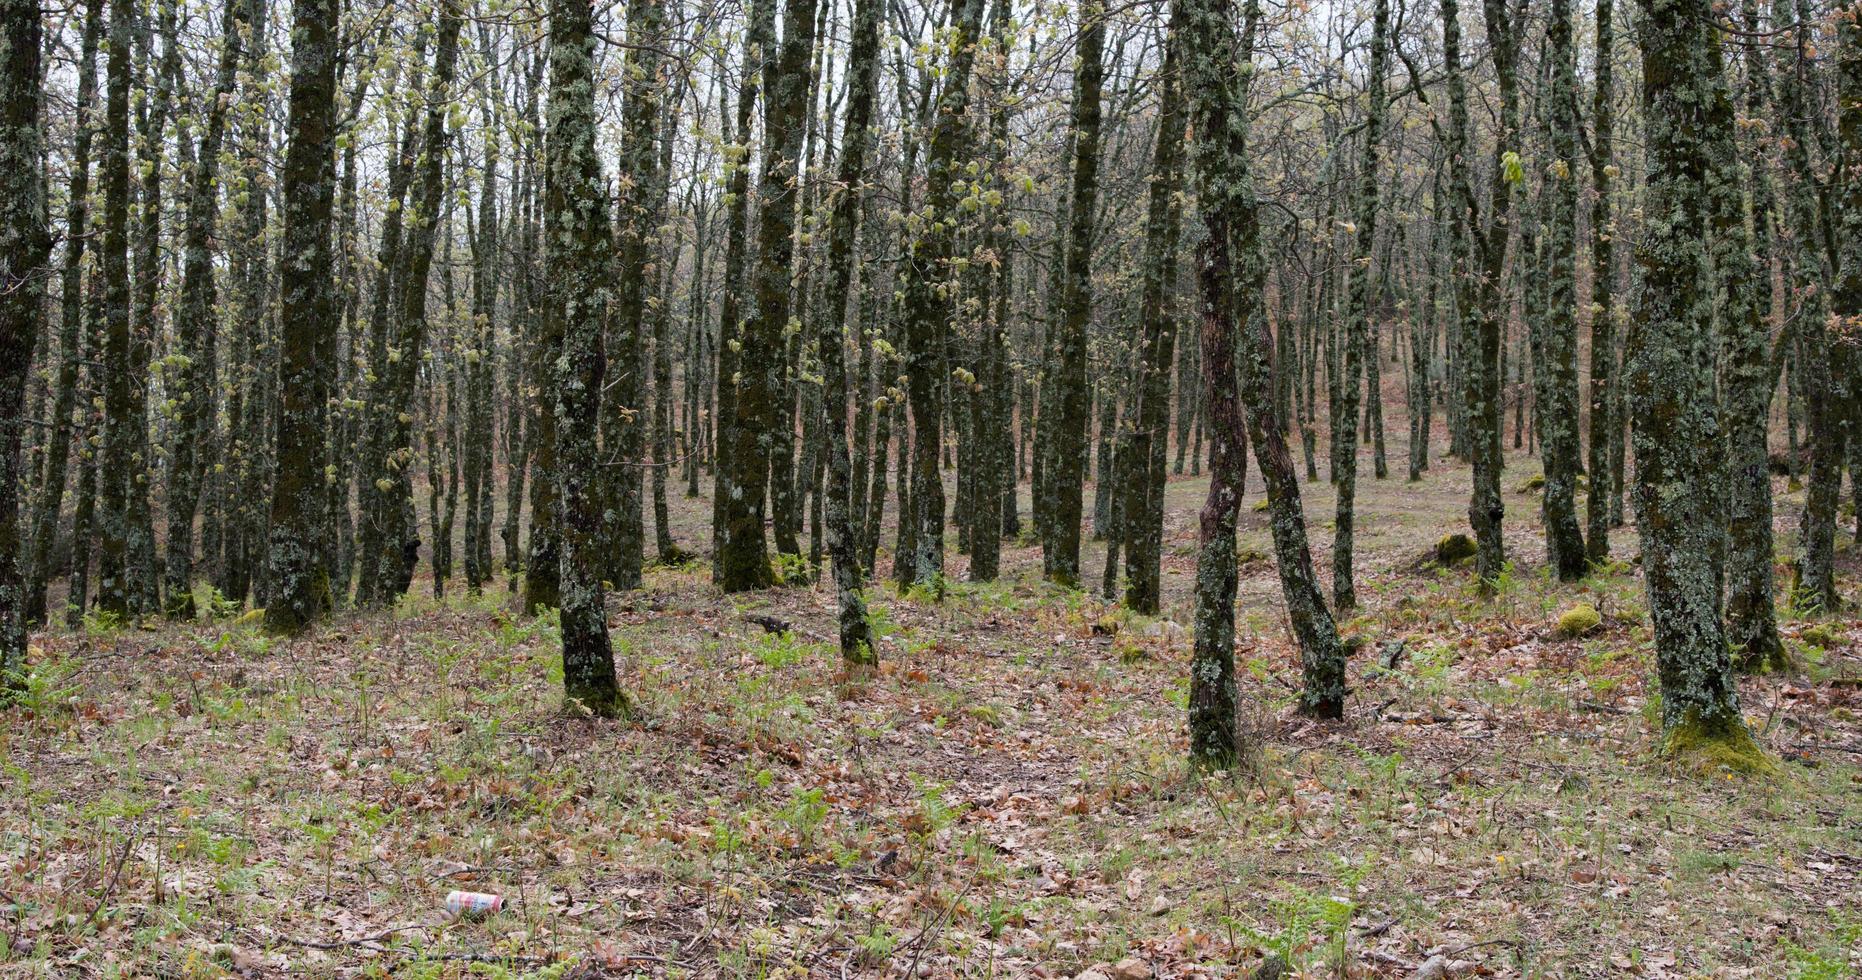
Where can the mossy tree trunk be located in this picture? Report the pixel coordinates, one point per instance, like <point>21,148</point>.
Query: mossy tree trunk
<point>24,248</point>
<point>1675,431</point>
<point>578,249</point>
<point>192,378</point>
<point>744,560</point>
<point>1217,68</point>
<point>300,587</point>
<point>1065,418</point>
<point>116,462</point>
<point>1746,373</point>
<point>1361,301</point>
<point>1144,469</point>
<point>1557,374</point>
<point>70,329</point>
<point>739,565</point>
<point>856,633</point>
<point>390,440</point>
<point>624,412</point>
<point>930,298</point>
<point>1605,427</point>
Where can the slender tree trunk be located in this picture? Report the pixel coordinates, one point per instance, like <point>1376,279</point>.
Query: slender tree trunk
<point>1362,300</point>
<point>193,377</point>
<point>1747,377</point>
<point>1557,373</point>
<point>1065,418</point>
<point>625,415</point>
<point>744,561</point>
<point>578,248</point>
<point>856,634</point>
<point>739,565</point>
<point>1144,516</point>
<point>930,301</point>
<point>70,330</point>
<point>116,462</point>
<point>390,440</point>
<point>1603,317</point>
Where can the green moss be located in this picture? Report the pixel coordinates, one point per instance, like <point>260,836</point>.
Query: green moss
<point>1712,749</point>
<point>1532,484</point>
<point>1454,548</point>
<point>1578,620</point>
<point>1824,635</point>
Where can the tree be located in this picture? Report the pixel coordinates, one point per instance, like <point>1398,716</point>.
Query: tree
<point>116,463</point>
<point>299,580</point>
<point>1064,418</point>
<point>193,375</point>
<point>578,248</point>
<point>1747,377</point>
<point>1557,377</point>
<point>71,324</point>
<point>624,415</point>
<point>24,247</point>
<point>856,632</point>
<point>929,300</point>
<point>1144,504</point>
<point>1674,429</point>
<point>1362,300</point>
<point>1217,69</point>
<point>390,540</point>
<point>743,549</point>
<point>1605,428</point>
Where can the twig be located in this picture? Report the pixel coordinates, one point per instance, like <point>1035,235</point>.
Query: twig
<point>346,943</point>
<point>116,874</point>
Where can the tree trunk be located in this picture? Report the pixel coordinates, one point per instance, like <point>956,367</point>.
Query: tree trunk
<point>300,586</point>
<point>578,249</point>
<point>24,247</point>
<point>1674,430</point>
<point>1064,411</point>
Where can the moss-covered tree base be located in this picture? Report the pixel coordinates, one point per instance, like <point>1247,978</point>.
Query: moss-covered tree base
<point>1711,749</point>
<point>599,704</point>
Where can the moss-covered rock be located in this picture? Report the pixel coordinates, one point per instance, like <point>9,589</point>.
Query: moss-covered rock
<point>1454,548</point>
<point>1532,484</point>
<point>1578,620</point>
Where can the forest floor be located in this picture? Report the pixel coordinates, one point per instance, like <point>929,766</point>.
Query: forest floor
<point>1008,797</point>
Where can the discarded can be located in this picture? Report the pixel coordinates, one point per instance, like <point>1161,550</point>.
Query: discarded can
<point>473,903</point>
